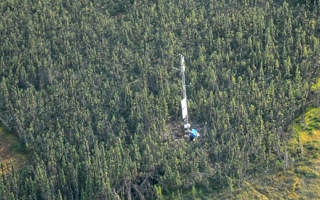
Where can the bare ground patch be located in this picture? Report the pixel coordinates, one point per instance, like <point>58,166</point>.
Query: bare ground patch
<point>10,157</point>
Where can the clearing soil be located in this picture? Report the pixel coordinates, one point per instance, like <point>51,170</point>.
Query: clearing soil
<point>10,156</point>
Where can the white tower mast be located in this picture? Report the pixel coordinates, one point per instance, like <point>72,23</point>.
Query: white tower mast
<point>184,103</point>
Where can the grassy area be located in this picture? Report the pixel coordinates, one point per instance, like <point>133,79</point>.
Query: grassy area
<point>11,152</point>
<point>316,86</point>
<point>308,128</point>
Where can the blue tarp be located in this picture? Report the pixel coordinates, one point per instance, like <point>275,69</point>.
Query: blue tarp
<point>194,133</point>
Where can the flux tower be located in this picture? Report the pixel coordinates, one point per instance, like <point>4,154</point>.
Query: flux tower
<point>184,103</point>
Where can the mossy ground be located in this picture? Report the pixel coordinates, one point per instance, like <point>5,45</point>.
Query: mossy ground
<point>316,86</point>
<point>12,155</point>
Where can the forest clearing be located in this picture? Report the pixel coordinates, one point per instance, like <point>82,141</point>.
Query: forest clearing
<point>11,155</point>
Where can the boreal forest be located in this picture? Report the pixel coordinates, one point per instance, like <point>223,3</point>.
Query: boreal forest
<point>90,90</point>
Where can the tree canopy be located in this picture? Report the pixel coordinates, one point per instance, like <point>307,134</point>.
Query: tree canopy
<point>89,88</point>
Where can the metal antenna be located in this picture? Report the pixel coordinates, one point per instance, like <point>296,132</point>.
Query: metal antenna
<point>184,103</point>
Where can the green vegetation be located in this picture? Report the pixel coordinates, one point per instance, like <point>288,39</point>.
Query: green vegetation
<point>316,86</point>
<point>90,90</point>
